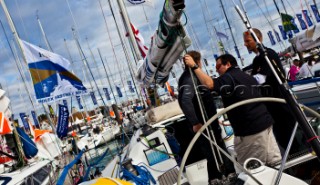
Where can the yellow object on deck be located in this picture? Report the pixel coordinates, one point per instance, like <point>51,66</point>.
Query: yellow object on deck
<point>110,181</point>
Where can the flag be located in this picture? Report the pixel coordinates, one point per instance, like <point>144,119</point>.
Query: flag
<point>168,87</point>
<point>140,41</point>
<point>136,1</point>
<point>222,35</point>
<point>93,97</point>
<point>4,125</point>
<point>273,42</point>
<point>119,91</point>
<point>79,102</point>
<point>301,21</point>
<point>283,33</point>
<point>130,86</point>
<point>51,111</point>
<point>277,35</point>
<point>51,76</point>
<point>221,48</point>
<point>106,92</point>
<point>65,103</point>
<point>289,33</point>
<point>215,56</point>
<point>287,22</point>
<point>24,120</point>
<point>306,16</point>
<point>63,120</point>
<point>35,120</point>
<point>315,12</point>
<point>205,62</point>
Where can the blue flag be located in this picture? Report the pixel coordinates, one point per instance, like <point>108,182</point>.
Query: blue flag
<point>63,121</point>
<point>305,13</point>
<point>273,42</point>
<point>283,33</point>
<point>130,86</point>
<point>65,103</point>
<point>106,92</point>
<point>24,120</point>
<point>277,35</point>
<point>34,116</point>
<point>315,12</point>
<point>93,97</point>
<point>79,102</point>
<point>289,33</point>
<point>119,91</point>
<point>301,21</point>
<point>222,35</point>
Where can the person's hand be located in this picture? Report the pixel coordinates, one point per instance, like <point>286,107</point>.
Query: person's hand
<point>188,61</point>
<point>196,127</point>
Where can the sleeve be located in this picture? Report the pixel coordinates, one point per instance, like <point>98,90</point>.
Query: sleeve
<point>186,94</point>
<point>224,85</point>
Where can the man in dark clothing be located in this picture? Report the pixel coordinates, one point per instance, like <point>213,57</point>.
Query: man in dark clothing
<point>189,104</point>
<point>284,119</point>
<point>251,123</point>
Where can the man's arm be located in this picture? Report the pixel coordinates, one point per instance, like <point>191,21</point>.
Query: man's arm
<point>204,78</point>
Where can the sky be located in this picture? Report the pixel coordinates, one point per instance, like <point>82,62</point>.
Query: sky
<point>85,16</point>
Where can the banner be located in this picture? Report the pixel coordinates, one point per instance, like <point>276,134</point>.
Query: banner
<point>65,102</point>
<point>79,102</point>
<point>131,89</point>
<point>315,12</point>
<point>106,92</point>
<point>273,42</point>
<point>119,91</point>
<point>306,16</point>
<point>301,21</point>
<point>24,120</point>
<point>93,97</point>
<point>289,33</point>
<point>277,35</point>
<point>51,74</point>
<point>63,121</point>
<point>35,120</point>
<point>4,125</point>
<point>283,33</point>
<point>287,22</point>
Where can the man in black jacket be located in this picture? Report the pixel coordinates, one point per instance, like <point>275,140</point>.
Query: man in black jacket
<point>284,119</point>
<point>189,104</point>
<point>251,123</point>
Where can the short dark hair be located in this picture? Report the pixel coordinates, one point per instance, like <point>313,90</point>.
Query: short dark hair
<point>195,55</point>
<point>225,58</point>
<point>256,31</point>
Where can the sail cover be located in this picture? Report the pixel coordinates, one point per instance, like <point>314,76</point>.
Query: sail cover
<point>51,76</point>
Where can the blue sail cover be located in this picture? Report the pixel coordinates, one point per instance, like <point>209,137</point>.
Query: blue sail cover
<point>29,147</point>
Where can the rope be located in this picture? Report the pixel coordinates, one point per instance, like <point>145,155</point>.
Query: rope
<point>94,164</point>
<point>144,177</point>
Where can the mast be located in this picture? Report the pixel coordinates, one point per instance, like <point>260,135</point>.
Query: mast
<point>125,51</point>
<point>43,33</point>
<point>107,76</point>
<point>127,21</point>
<point>234,41</point>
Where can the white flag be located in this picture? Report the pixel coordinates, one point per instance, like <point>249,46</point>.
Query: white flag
<point>50,74</point>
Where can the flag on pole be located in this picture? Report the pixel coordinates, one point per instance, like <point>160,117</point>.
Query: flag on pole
<point>277,35</point>
<point>63,120</point>
<point>93,97</point>
<point>273,42</point>
<point>283,33</point>
<point>24,120</point>
<point>79,102</point>
<point>130,86</point>
<point>119,91</point>
<point>222,35</point>
<point>51,76</point>
<point>287,22</point>
<point>315,12</point>
<point>4,125</point>
<point>35,120</point>
<point>106,92</point>
<point>306,16</point>
<point>136,1</point>
<point>301,21</point>
<point>65,103</point>
<point>140,41</point>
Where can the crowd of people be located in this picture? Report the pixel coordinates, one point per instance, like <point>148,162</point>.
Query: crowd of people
<point>261,130</point>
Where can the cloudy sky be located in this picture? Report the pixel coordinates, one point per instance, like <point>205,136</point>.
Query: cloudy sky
<point>85,16</point>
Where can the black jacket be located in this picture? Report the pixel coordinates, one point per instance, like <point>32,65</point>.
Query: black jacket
<point>235,86</point>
